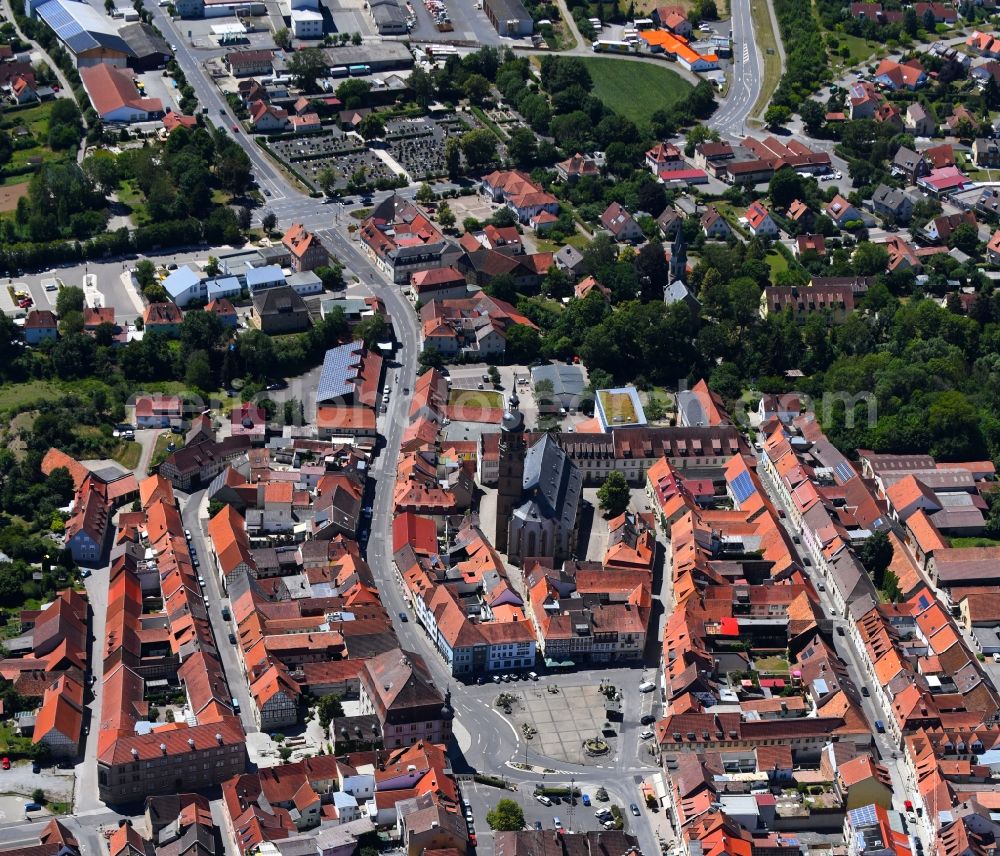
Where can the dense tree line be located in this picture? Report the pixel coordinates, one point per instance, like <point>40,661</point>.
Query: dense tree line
<point>805,53</point>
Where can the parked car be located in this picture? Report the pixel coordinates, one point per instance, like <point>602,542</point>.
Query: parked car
<point>538,824</point>
<point>586,799</point>
<point>880,726</point>
<point>36,767</point>
<point>232,638</point>
<point>864,692</point>
<point>557,823</point>
<point>544,800</point>
<point>403,616</point>
<point>634,809</point>
<point>648,719</point>
<point>5,763</point>
<point>648,734</point>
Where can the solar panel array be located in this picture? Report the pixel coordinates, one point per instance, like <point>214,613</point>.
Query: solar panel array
<point>844,471</point>
<point>81,27</point>
<point>863,816</point>
<point>339,370</point>
<point>742,487</point>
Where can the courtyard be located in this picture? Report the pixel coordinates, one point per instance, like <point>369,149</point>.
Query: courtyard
<point>562,719</point>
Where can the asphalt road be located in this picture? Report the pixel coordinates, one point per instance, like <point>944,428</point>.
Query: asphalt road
<point>744,89</point>
<point>887,753</point>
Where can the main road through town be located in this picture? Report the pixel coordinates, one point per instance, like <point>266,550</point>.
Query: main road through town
<point>492,744</point>
<point>745,85</point>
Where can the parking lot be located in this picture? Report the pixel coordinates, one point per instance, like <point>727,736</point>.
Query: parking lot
<point>575,818</point>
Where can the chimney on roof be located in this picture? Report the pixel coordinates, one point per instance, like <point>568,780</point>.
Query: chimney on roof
<point>191,742</point>
<point>218,738</point>
<point>135,752</point>
<point>163,748</point>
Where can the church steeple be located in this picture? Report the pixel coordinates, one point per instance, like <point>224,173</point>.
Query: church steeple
<point>678,257</point>
<point>510,482</point>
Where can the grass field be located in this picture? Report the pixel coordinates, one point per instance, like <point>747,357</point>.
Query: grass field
<point>476,398</point>
<point>19,395</point>
<point>127,454</point>
<point>777,262</point>
<point>36,120</point>
<point>974,542</point>
<point>636,90</point>
<point>860,51</point>
<point>767,41</point>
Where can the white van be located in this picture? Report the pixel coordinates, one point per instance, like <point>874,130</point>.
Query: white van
<point>647,687</point>
<point>544,800</point>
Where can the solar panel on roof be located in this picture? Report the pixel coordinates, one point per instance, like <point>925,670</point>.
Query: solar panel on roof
<point>844,471</point>
<point>742,487</point>
<point>864,816</point>
<point>339,370</point>
<point>923,602</point>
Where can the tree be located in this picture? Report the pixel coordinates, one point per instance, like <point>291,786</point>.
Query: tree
<point>101,167</point>
<point>785,187</point>
<point>354,92</point>
<point>708,10</point>
<point>371,127</point>
<point>445,216</point>
<point>453,157</point>
<point>199,371</point>
<point>870,259</point>
<point>371,330</point>
<point>614,496</point>
<point>212,266</point>
<point>329,708</point>
<point>479,147</point>
<point>523,344</point>
<point>652,270</point>
<point>424,194</point>
<point>776,115</point>
<point>422,86</point>
<point>283,38</point>
<point>910,23</point>
<point>876,556</point>
<point>306,66</point>
<point>69,299</point>
<point>812,115</point>
<point>145,273</point>
<point>268,220</point>
<point>522,146</point>
<point>965,238</point>
<point>506,816</point>
<point>928,20</point>
<point>355,38</point>
<point>476,88</point>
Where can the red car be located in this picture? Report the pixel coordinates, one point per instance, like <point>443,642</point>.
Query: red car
<point>236,129</point>
<point>472,840</point>
<point>5,763</point>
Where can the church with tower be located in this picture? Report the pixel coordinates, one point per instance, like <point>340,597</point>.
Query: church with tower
<point>538,494</point>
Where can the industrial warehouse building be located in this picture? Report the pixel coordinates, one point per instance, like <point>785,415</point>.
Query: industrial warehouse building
<point>509,17</point>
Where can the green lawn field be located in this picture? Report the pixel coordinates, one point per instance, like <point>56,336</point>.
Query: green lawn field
<point>636,90</point>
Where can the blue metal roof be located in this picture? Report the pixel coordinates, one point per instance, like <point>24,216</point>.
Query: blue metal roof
<point>180,280</point>
<point>81,27</point>
<point>340,368</point>
<point>223,287</point>
<point>262,275</point>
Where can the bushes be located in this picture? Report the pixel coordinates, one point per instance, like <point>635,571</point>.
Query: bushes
<point>805,54</point>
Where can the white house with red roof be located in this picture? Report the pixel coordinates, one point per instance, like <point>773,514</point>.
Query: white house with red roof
<point>115,97</point>
<point>760,222</point>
